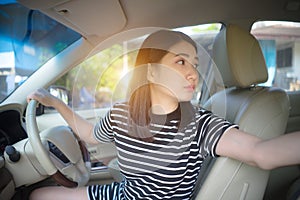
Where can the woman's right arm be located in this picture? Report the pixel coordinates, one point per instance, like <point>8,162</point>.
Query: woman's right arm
<point>79,125</point>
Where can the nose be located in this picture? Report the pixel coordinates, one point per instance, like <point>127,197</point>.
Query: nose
<point>192,74</point>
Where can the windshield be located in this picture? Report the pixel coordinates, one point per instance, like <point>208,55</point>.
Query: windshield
<point>28,39</point>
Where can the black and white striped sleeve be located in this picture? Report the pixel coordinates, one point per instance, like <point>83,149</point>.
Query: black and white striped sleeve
<point>210,130</point>
<point>103,131</point>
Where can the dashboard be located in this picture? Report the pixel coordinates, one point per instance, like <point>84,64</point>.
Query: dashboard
<point>11,129</point>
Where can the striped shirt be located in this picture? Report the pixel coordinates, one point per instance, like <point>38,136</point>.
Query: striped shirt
<point>168,166</point>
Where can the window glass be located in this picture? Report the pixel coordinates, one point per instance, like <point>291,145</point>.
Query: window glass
<point>101,80</point>
<point>28,39</point>
<point>280,44</point>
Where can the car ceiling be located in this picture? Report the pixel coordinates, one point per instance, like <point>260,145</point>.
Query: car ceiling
<point>97,20</point>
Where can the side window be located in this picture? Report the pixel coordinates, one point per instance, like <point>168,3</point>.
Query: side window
<point>280,44</point>
<point>101,80</point>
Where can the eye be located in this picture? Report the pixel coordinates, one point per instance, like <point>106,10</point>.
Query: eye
<point>181,62</point>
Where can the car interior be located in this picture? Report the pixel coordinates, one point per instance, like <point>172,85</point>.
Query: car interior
<point>239,59</point>
<point>82,51</point>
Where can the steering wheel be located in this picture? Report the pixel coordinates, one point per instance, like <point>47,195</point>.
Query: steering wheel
<point>60,153</point>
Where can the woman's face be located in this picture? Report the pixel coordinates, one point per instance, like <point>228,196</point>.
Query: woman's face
<point>176,75</point>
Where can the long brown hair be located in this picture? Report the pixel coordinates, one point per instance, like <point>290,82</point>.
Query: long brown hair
<point>153,49</point>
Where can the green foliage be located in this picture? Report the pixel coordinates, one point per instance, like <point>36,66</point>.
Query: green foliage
<point>210,27</point>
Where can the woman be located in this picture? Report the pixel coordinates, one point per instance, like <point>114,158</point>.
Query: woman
<point>161,138</point>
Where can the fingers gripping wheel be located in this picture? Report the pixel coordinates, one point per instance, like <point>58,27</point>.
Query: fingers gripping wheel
<point>58,151</point>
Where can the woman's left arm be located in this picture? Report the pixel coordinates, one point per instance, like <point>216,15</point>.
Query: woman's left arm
<point>266,154</point>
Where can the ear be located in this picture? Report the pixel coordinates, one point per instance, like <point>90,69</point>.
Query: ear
<point>150,73</point>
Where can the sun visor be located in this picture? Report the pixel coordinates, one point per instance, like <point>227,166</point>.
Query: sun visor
<point>92,17</point>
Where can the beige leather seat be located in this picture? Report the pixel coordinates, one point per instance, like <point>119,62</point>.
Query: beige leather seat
<point>261,111</point>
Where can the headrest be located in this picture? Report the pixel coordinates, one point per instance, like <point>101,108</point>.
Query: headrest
<point>239,58</point>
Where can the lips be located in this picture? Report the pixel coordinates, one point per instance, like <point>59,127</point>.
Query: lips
<point>190,87</point>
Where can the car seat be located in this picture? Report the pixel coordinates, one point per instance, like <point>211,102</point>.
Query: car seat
<point>258,110</point>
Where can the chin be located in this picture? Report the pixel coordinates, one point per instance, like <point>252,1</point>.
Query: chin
<point>185,99</point>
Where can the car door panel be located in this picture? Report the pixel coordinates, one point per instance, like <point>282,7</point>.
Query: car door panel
<point>7,185</point>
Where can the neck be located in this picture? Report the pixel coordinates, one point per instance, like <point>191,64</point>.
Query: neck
<point>160,109</point>
<point>163,104</point>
